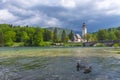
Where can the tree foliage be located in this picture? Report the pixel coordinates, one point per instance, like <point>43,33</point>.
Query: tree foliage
<point>102,34</point>
<point>9,38</point>
<point>47,35</point>
<point>105,34</point>
<point>55,35</point>
<point>28,35</point>
<point>1,38</point>
<point>38,37</point>
<point>64,37</point>
<point>71,36</point>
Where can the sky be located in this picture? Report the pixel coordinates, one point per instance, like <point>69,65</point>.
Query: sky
<point>69,14</point>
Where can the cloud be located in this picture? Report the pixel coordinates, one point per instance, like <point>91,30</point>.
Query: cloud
<point>108,4</point>
<point>6,16</point>
<point>107,7</point>
<point>53,22</point>
<point>68,3</point>
<point>33,20</point>
<point>63,13</point>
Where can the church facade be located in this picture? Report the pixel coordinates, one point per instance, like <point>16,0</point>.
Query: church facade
<point>78,37</point>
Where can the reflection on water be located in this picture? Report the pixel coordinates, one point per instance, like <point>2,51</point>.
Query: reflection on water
<point>104,61</point>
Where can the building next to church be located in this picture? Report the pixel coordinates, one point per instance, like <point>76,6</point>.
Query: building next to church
<point>78,37</point>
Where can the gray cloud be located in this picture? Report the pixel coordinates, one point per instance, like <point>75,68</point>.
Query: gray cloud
<point>63,13</point>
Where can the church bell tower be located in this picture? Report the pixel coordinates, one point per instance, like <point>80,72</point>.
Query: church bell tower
<point>84,30</point>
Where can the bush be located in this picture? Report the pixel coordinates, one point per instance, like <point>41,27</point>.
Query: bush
<point>116,45</point>
<point>45,44</point>
<point>100,45</point>
<point>18,44</point>
<point>9,43</point>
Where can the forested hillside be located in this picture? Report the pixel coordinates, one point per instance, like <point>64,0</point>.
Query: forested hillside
<point>30,36</point>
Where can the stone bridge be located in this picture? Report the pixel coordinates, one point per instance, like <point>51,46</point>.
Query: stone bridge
<point>105,42</point>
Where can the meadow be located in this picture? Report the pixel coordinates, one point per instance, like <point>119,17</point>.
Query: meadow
<point>39,63</point>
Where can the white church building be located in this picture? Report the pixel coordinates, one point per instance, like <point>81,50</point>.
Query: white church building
<point>78,38</point>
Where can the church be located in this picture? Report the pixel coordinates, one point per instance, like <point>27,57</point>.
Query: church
<point>78,38</point>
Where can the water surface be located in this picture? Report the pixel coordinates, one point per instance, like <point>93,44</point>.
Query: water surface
<point>36,63</point>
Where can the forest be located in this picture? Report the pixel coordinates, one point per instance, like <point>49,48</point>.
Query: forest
<point>36,36</point>
<point>30,36</point>
<point>104,34</point>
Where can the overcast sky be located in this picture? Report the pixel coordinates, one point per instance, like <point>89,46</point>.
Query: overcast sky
<point>97,14</point>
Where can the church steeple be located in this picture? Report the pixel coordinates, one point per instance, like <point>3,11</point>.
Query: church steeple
<point>84,30</point>
<point>83,25</point>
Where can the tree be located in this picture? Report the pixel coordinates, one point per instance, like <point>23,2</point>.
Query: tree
<point>102,34</point>
<point>24,36</point>
<point>64,36</point>
<point>117,33</point>
<point>30,31</point>
<point>9,38</point>
<point>38,37</point>
<point>95,37</point>
<point>90,37</point>
<point>112,36</point>
<point>1,38</point>
<point>71,36</point>
<point>47,35</point>
<point>55,36</point>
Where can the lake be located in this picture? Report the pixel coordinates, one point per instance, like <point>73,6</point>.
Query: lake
<point>42,63</point>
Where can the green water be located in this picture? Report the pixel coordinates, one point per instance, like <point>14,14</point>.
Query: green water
<point>48,63</point>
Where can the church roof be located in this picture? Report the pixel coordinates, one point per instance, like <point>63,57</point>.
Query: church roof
<point>78,36</point>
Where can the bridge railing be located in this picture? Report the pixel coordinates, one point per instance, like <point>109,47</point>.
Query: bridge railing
<point>102,41</point>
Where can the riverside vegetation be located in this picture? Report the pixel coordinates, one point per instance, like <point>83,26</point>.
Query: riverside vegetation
<point>35,36</point>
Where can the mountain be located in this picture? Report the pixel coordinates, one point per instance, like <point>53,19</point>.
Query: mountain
<point>59,30</point>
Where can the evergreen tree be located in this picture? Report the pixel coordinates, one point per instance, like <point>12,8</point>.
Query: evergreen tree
<point>71,36</point>
<point>64,36</point>
<point>47,35</point>
<point>55,36</point>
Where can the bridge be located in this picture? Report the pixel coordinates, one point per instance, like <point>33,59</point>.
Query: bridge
<point>105,42</point>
